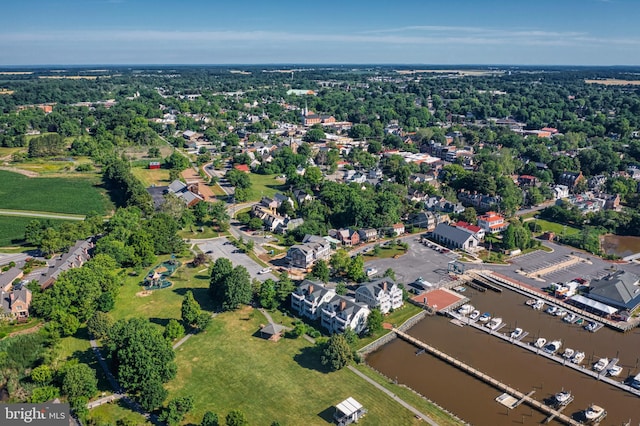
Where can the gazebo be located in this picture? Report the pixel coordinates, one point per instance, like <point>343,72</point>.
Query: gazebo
<point>271,332</point>
<point>348,411</point>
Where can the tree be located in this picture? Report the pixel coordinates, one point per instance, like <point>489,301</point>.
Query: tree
<point>336,353</point>
<point>173,330</point>
<point>267,294</point>
<point>314,134</point>
<point>341,289</point>
<point>203,321</point>
<point>355,269</point>
<point>210,419</point>
<point>176,409</point>
<point>255,224</point>
<point>321,271</point>
<point>190,309</point>
<point>390,273</point>
<point>340,261</point>
<point>469,215</point>
<point>284,287</point>
<point>44,394</point>
<point>374,321</point>
<point>236,418</point>
<point>153,395</point>
<point>99,324</point>
<point>177,161</point>
<point>79,381</point>
<point>237,289</point>
<point>42,375</point>
<point>219,272</point>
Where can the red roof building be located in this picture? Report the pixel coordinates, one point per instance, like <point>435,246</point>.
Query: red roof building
<point>492,222</point>
<point>242,168</point>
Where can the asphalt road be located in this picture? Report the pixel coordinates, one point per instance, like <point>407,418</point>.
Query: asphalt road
<point>221,247</point>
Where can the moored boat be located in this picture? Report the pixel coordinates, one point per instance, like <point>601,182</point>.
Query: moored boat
<point>515,334</point>
<point>561,313</point>
<point>601,364</point>
<point>563,397</point>
<point>474,315</point>
<point>578,357</point>
<point>594,413</point>
<point>539,305</point>
<point>614,371</point>
<point>494,323</point>
<point>485,317</point>
<point>553,347</point>
<point>530,302</point>
<point>551,310</point>
<point>591,326</point>
<point>465,309</point>
<point>570,318</point>
<point>568,353</point>
<point>540,342</point>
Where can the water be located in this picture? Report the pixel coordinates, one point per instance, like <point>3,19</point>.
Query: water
<point>474,401</point>
<point>620,245</point>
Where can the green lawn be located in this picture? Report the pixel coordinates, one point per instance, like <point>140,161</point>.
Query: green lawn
<point>385,252</point>
<point>264,185</point>
<point>556,228</point>
<point>229,367</point>
<point>12,228</point>
<point>109,414</point>
<point>79,195</point>
<point>7,328</point>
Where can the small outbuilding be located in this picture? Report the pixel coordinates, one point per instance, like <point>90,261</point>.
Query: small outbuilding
<point>271,332</point>
<point>348,411</point>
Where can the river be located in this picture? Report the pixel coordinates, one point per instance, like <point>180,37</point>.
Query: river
<point>474,401</point>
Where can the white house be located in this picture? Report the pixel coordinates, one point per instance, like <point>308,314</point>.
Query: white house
<point>560,191</point>
<point>383,293</point>
<point>309,296</point>
<point>341,313</point>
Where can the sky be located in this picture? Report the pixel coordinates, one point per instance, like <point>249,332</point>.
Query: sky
<point>518,32</point>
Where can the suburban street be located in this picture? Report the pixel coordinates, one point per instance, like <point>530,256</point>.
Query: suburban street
<point>222,247</point>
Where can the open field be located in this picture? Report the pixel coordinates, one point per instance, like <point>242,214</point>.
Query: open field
<point>115,412</point>
<point>58,195</point>
<point>6,153</point>
<point>12,228</point>
<point>71,77</point>
<point>230,367</point>
<point>556,228</point>
<point>264,185</point>
<point>149,177</point>
<point>614,82</point>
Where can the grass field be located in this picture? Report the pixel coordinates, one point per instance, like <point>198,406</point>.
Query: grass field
<point>556,228</point>
<point>264,185</point>
<point>12,228</point>
<point>59,195</point>
<point>148,177</point>
<point>230,367</point>
<point>111,414</point>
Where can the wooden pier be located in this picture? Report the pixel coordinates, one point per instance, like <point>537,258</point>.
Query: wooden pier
<point>488,379</point>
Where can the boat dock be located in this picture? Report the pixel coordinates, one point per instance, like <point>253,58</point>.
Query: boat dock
<point>522,398</point>
<point>602,376</point>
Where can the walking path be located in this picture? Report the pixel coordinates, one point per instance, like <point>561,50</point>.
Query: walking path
<point>47,215</point>
<point>393,396</point>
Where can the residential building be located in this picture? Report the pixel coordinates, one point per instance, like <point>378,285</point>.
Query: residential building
<point>479,201</point>
<point>74,258</point>
<point>312,249</point>
<point>271,219</point>
<point>455,238</point>
<point>527,181</point>
<point>348,237</point>
<point>188,193</point>
<point>7,278</point>
<point>288,225</point>
<point>477,231</point>
<point>343,312</point>
<point>492,222</point>
<point>301,196</point>
<point>570,179</point>
<point>368,234</point>
<point>15,304</point>
<point>620,289</point>
<point>426,220</point>
<point>383,293</point>
<point>397,229</point>
<point>309,296</point>
<point>560,192</point>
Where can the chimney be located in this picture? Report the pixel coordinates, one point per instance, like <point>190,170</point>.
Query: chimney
<point>310,288</point>
<point>343,305</point>
<point>384,286</point>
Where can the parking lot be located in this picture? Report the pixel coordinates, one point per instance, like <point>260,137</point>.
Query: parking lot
<point>221,247</point>
<point>419,261</point>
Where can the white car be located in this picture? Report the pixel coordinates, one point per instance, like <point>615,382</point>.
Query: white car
<point>264,271</point>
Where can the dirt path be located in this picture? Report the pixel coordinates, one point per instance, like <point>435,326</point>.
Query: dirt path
<point>27,173</point>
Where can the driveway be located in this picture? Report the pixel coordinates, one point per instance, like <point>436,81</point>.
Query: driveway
<point>221,247</point>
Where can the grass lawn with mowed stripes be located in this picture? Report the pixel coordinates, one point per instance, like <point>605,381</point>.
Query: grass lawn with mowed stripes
<point>76,195</point>
<point>230,367</point>
<point>12,228</point>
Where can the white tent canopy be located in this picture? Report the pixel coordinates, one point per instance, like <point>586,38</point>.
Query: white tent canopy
<point>594,305</point>
<point>349,407</point>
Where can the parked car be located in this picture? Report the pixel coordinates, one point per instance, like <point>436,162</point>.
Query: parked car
<point>264,271</point>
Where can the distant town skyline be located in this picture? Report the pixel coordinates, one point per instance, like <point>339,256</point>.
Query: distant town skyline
<point>544,32</point>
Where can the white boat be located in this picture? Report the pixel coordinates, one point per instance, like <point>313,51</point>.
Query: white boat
<point>540,342</point>
<point>614,371</point>
<point>475,314</point>
<point>561,313</point>
<point>494,323</point>
<point>601,364</point>
<point>594,413</point>
<point>539,305</point>
<point>465,309</point>
<point>635,382</point>
<point>568,353</point>
<point>570,318</point>
<point>485,317</point>
<point>553,347</point>
<point>563,398</point>
<point>578,357</point>
<point>551,310</point>
<point>530,302</point>
<point>591,327</point>
<point>515,334</point>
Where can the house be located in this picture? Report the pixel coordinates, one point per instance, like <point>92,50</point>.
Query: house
<point>188,193</point>
<point>7,278</point>
<point>15,304</point>
<point>492,222</point>
<point>596,183</point>
<point>611,201</point>
<point>525,181</point>
<point>312,249</point>
<point>560,192</point>
<point>288,225</point>
<point>455,238</point>
<point>570,179</point>
<point>350,411</point>
<point>439,204</point>
<point>242,168</point>
<point>383,293</point>
<point>341,313</point>
<point>397,229</point>
<point>301,196</point>
<point>475,230</point>
<point>74,258</point>
<point>271,220</point>
<point>368,234</point>
<point>479,201</point>
<point>620,289</point>
<point>426,220</point>
<point>189,135</point>
<point>348,237</point>
<point>308,297</point>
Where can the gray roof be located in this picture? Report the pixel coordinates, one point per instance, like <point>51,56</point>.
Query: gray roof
<point>10,276</point>
<point>177,186</point>
<point>376,286</point>
<point>454,234</point>
<point>620,289</point>
<point>272,329</point>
